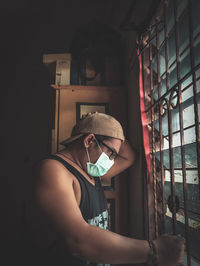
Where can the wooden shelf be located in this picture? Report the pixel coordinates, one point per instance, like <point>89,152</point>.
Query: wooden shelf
<point>85,87</point>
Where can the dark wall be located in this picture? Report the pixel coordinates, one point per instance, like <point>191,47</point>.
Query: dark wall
<point>27,32</point>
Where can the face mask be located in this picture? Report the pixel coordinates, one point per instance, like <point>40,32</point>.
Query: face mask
<point>102,165</point>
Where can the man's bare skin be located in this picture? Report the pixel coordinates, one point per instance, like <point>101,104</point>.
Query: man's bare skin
<point>57,190</point>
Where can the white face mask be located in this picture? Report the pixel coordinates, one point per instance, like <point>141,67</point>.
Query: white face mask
<point>102,165</point>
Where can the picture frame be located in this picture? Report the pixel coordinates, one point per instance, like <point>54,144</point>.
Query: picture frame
<point>83,108</point>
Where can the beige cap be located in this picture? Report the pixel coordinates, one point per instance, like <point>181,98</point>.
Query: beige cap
<point>99,124</point>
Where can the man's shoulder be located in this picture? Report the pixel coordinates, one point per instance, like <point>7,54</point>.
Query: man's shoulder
<point>51,168</point>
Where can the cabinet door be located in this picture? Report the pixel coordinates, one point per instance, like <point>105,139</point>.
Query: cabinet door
<point>68,101</point>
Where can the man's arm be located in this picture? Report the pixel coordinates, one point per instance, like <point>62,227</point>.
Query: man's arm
<point>125,159</point>
<point>55,195</point>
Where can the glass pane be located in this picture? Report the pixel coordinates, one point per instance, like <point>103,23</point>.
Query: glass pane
<point>189,135</point>
<point>171,48</point>
<point>188,116</point>
<point>166,159</point>
<point>165,125</point>
<point>185,64</point>
<point>186,82</point>
<point>170,16</point>
<point>183,28</point>
<point>188,107</point>
<point>191,180</point>
<point>181,5</point>
<point>163,87</point>
<point>195,17</point>
<point>197,51</point>
<point>155,93</point>
<point>168,220</point>
<point>173,75</point>
<point>187,95</point>
<point>177,157</point>
<point>154,65</point>
<point>191,155</point>
<point>198,87</point>
<point>175,120</point>
<point>161,37</point>
<point>197,73</point>
<point>192,188</point>
<point>176,140</point>
<point>162,60</point>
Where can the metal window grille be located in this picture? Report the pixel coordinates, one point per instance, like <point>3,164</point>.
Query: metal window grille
<point>171,77</point>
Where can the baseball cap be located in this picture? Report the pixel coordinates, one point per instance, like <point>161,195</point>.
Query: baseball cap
<point>96,123</point>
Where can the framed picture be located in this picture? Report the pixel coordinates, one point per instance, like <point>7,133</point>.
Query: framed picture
<point>111,214</point>
<point>108,185</point>
<point>82,108</point>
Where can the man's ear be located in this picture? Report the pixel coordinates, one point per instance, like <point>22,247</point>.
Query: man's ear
<point>88,140</point>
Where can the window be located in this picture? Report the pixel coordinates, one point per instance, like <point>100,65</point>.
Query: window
<point>171,80</point>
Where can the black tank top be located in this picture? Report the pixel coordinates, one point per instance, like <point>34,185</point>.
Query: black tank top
<point>42,235</point>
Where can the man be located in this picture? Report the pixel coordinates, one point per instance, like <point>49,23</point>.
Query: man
<point>70,199</point>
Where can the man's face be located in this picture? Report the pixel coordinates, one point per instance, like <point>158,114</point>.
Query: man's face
<point>111,147</point>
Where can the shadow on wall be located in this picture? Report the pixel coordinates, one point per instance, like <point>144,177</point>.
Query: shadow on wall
<point>26,138</point>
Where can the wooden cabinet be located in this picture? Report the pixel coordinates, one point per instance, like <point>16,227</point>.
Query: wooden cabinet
<point>67,101</point>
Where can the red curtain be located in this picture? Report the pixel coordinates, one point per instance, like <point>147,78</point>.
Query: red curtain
<point>144,120</point>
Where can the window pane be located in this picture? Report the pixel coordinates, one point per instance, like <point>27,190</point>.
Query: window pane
<point>185,63</point>
<point>175,120</point>
<point>171,48</point>
<point>177,157</point>
<point>187,95</point>
<point>154,65</point>
<point>156,125</point>
<point>181,5</point>
<point>198,85</point>
<point>166,159</point>
<point>198,91</point>
<point>195,17</point>
<point>165,125</point>
<point>173,75</point>
<point>197,51</point>
<point>191,155</point>
<point>197,73</point>
<point>170,16</point>
<point>161,36</point>
<point>186,82</point>
<point>162,60</point>
<point>155,93</point>
<point>188,107</point>
<point>183,29</point>
<point>163,85</point>
<point>188,116</point>
<point>193,188</point>
<point>189,135</point>
<point>176,140</point>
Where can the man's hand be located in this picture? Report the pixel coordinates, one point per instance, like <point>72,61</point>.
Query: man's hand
<point>170,250</point>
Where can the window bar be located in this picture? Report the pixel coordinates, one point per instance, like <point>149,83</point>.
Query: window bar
<point>161,168</point>
<point>182,141</point>
<point>171,159</point>
<point>194,89</point>
<point>153,148</point>
<point>172,88</point>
